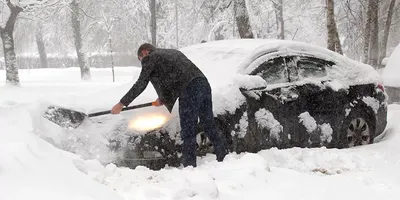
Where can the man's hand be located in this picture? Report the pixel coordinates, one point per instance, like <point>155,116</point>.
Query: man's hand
<point>117,108</point>
<point>158,103</point>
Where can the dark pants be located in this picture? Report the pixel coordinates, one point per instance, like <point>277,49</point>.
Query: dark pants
<point>194,103</point>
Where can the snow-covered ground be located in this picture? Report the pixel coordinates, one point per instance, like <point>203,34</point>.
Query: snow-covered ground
<point>31,168</point>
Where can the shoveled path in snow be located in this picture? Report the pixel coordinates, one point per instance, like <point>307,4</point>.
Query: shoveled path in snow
<point>368,172</point>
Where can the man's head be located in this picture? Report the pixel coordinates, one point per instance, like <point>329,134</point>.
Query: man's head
<point>144,50</point>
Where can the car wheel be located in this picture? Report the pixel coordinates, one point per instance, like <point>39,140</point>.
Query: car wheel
<point>358,129</point>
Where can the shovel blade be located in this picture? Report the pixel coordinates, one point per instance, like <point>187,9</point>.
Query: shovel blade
<point>64,117</point>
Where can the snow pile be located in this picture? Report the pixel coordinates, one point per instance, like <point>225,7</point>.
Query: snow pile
<point>321,160</point>
<point>308,122</point>
<point>31,168</point>
<point>208,181</point>
<point>391,71</point>
<point>265,119</point>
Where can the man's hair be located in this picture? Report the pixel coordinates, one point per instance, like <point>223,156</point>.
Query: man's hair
<point>147,47</point>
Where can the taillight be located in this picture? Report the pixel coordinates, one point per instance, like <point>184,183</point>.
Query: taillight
<point>381,87</point>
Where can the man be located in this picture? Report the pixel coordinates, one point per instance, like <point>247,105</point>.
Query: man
<point>174,76</point>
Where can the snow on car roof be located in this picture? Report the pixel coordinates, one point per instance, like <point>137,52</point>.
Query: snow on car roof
<point>391,72</point>
<point>219,60</point>
<point>222,60</point>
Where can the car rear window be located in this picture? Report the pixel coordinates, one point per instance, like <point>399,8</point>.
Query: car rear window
<point>273,71</point>
<point>311,68</point>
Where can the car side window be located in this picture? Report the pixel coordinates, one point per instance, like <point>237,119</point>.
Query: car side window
<point>309,67</point>
<point>273,71</point>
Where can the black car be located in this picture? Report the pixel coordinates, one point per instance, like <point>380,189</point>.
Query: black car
<point>313,97</point>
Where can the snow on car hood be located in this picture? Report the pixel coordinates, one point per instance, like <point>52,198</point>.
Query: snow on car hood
<point>391,72</point>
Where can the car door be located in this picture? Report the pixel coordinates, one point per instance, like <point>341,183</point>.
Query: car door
<point>320,101</point>
<point>271,111</point>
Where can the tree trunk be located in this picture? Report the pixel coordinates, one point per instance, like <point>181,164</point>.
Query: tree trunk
<point>40,45</point>
<point>333,35</point>
<point>76,26</point>
<point>176,24</point>
<point>153,23</point>
<point>374,47</point>
<point>386,31</point>
<point>242,19</point>
<point>7,38</point>
<point>280,24</point>
<point>367,31</point>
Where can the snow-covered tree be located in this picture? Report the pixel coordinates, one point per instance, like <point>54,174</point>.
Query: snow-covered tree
<point>242,19</point>
<point>7,29</point>
<point>388,24</point>
<point>41,45</point>
<point>11,9</point>
<point>280,23</point>
<point>333,35</point>
<point>153,22</point>
<point>76,27</point>
<point>185,22</point>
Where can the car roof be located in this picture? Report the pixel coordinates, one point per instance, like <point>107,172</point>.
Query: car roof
<point>224,59</point>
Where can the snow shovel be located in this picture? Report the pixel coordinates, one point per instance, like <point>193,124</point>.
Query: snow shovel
<point>68,118</point>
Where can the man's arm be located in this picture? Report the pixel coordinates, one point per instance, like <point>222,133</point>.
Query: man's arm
<point>140,84</point>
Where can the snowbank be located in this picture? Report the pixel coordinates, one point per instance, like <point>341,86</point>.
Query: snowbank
<point>31,168</point>
<point>391,72</point>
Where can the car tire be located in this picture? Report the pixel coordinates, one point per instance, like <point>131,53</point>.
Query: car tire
<point>358,129</point>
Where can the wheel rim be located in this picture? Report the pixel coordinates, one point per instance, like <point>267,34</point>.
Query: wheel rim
<point>358,132</point>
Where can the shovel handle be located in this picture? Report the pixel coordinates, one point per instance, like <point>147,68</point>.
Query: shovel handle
<point>123,109</point>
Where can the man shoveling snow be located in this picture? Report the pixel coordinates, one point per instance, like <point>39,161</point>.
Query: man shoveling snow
<point>174,76</point>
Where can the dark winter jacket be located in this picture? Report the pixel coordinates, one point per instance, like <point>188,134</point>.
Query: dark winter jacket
<point>169,71</point>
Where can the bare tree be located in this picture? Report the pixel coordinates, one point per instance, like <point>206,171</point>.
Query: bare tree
<point>280,24</point>
<point>374,40</point>
<point>13,9</point>
<point>367,31</point>
<point>387,30</point>
<point>40,45</point>
<point>76,27</point>
<point>8,43</point>
<point>176,24</point>
<point>333,35</point>
<point>242,19</point>
<point>153,24</point>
